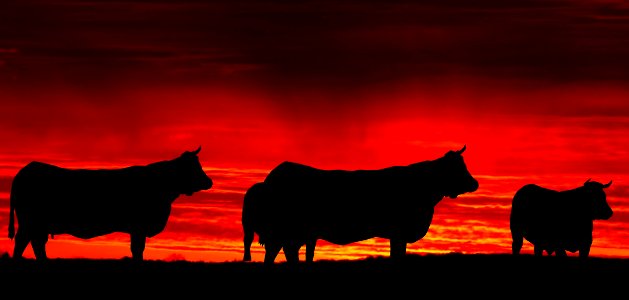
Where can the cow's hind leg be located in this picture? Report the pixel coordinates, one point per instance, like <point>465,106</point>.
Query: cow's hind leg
<point>22,239</point>
<point>291,251</point>
<point>38,242</point>
<point>138,243</point>
<point>310,249</point>
<point>248,219</point>
<point>584,251</point>
<point>247,240</point>
<point>398,248</point>
<point>538,250</point>
<point>272,249</point>
<point>517,241</point>
<point>560,253</point>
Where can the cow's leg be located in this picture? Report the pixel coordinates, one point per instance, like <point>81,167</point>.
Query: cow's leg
<point>584,251</point>
<point>22,239</point>
<point>560,253</point>
<point>538,250</point>
<point>38,243</point>
<point>397,248</point>
<point>291,251</point>
<point>517,241</point>
<point>247,240</point>
<point>138,243</point>
<point>272,249</point>
<point>310,249</point>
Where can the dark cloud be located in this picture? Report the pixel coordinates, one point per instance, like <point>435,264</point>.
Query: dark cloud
<point>313,42</point>
<point>313,61</point>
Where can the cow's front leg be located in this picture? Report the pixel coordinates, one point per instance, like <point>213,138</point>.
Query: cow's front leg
<point>38,243</point>
<point>560,253</point>
<point>22,238</point>
<point>311,244</point>
<point>584,251</point>
<point>291,251</point>
<point>538,250</point>
<point>138,243</point>
<point>398,248</point>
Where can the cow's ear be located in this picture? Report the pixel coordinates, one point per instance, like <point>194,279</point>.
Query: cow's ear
<point>462,149</point>
<point>607,185</point>
<point>195,152</point>
<point>458,152</point>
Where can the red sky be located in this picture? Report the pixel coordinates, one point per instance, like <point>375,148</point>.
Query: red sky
<point>537,90</point>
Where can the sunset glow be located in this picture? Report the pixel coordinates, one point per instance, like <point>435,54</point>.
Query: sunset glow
<point>537,90</point>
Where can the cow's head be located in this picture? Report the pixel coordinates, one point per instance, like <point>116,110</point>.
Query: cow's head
<point>598,200</point>
<point>452,175</point>
<point>189,174</point>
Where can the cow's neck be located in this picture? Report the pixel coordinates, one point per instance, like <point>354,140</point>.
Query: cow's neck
<point>434,189</point>
<point>165,181</point>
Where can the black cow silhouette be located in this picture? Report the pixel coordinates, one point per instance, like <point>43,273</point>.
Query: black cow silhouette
<point>49,200</point>
<point>298,204</point>
<point>557,221</point>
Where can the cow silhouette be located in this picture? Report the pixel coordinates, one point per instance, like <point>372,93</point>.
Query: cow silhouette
<point>297,205</point>
<point>85,203</point>
<point>557,221</point>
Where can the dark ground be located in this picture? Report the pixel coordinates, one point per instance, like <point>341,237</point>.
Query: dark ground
<point>415,277</point>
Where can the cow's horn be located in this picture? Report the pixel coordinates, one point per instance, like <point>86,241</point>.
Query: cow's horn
<point>587,181</point>
<point>462,149</point>
<point>607,185</point>
<point>195,152</point>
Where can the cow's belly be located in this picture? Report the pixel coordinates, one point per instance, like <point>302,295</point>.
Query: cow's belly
<point>86,228</point>
<point>347,238</point>
<point>407,227</point>
<point>88,233</point>
<point>566,240</point>
<point>90,223</point>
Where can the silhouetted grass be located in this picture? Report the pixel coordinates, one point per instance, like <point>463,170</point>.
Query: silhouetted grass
<point>452,274</point>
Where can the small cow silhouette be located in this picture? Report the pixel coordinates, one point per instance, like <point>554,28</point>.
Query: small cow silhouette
<point>558,221</point>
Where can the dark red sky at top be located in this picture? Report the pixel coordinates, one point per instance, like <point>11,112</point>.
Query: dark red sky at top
<point>536,89</point>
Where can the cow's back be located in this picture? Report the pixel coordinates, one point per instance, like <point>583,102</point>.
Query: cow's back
<point>34,180</point>
<point>347,191</point>
<point>532,196</point>
<point>50,184</point>
<point>290,174</point>
<point>533,203</point>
